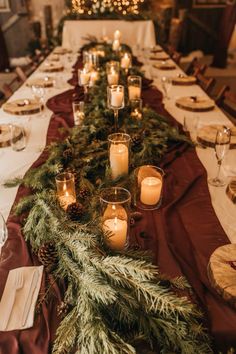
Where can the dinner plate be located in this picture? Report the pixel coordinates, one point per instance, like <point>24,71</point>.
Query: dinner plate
<point>22,107</point>
<point>195,104</point>
<point>41,82</point>
<point>184,80</point>
<point>207,135</point>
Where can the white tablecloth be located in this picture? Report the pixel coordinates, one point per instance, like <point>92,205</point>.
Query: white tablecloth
<point>140,33</point>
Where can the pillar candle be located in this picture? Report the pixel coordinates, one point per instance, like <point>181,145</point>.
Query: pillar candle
<point>116,44</point>
<point>117,34</point>
<point>113,77</point>
<point>84,78</point>
<point>117,99</point>
<point>134,92</point>
<point>119,160</point>
<point>118,228</point>
<point>125,61</point>
<point>150,190</point>
<point>94,76</point>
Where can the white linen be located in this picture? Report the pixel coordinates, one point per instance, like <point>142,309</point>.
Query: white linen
<point>12,318</point>
<point>223,206</point>
<point>133,33</point>
<point>12,163</point>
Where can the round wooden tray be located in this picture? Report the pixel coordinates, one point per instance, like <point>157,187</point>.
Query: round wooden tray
<point>51,67</point>
<point>222,272</point>
<point>156,49</point>
<point>41,82</point>
<point>164,66</point>
<point>184,80</point>
<point>5,135</point>
<point>160,56</point>
<point>22,107</point>
<point>61,51</point>
<point>231,190</point>
<point>207,135</point>
<point>195,104</point>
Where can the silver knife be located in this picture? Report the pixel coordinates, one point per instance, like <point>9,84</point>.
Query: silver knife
<point>29,299</point>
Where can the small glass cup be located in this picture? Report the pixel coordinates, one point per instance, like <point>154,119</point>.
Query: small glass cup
<point>66,189</point>
<point>116,100</point>
<point>18,137</point>
<point>115,211</point>
<point>148,187</point>
<point>113,69</point>
<point>136,108</point>
<point>134,86</point>
<point>166,83</point>
<point>78,112</point>
<point>119,154</point>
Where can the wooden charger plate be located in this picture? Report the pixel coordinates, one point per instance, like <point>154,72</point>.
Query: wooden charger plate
<point>231,190</point>
<point>207,135</point>
<point>61,50</point>
<point>22,107</point>
<point>41,82</point>
<point>222,272</point>
<point>51,67</point>
<point>160,56</point>
<point>164,66</point>
<point>184,80</point>
<point>195,104</point>
<point>5,135</point>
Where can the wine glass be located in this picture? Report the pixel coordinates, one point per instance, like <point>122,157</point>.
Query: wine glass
<point>39,95</point>
<point>3,232</point>
<point>222,144</point>
<point>84,78</point>
<point>166,85</point>
<point>115,100</point>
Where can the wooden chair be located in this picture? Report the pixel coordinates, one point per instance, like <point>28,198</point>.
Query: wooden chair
<point>206,83</point>
<point>226,100</point>
<point>20,74</point>
<point>7,90</point>
<point>194,65</point>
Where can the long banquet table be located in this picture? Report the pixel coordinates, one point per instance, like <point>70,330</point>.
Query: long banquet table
<point>182,234</point>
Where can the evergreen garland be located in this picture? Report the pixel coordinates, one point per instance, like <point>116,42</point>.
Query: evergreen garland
<point>116,299</point>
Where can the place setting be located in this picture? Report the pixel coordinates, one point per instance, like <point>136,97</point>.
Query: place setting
<point>195,103</point>
<point>165,65</point>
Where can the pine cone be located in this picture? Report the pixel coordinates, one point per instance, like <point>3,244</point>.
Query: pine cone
<point>136,140</point>
<point>84,193</point>
<point>47,255</point>
<point>75,211</point>
<point>62,309</point>
<point>68,155</point>
<point>136,215</point>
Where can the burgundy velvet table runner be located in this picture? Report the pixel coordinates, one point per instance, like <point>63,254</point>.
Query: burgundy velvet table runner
<point>182,235</point>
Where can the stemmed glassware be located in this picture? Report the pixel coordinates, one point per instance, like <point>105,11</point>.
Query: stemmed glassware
<point>222,144</point>
<point>115,100</point>
<point>3,232</point>
<point>39,95</point>
<point>84,79</point>
<point>166,85</point>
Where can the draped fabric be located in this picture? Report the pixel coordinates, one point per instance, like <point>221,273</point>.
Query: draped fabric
<point>225,32</point>
<point>181,236</point>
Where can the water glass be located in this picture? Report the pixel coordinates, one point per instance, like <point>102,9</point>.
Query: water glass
<point>78,112</point>
<point>18,138</point>
<point>166,83</point>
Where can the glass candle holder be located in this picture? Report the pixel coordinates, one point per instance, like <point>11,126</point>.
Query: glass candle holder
<point>119,154</point>
<point>148,187</point>
<point>115,208</point>
<point>116,45</point>
<point>78,112</point>
<point>65,189</point>
<point>94,76</point>
<point>126,61</point>
<point>116,100</point>
<point>84,78</point>
<point>113,69</point>
<point>136,108</point>
<point>134,87</point>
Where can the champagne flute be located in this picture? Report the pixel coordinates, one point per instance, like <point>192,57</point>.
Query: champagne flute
<point>222,144</point>
<point>115,100</point>
<point>166,83</point>
<point>3,232</point>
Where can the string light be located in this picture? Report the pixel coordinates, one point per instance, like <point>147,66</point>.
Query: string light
<point>100,6</point>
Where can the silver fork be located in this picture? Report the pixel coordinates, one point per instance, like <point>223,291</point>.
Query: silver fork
<point>17,284</point>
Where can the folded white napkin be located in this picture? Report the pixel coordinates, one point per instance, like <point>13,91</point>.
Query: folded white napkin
<point>17,305</point>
